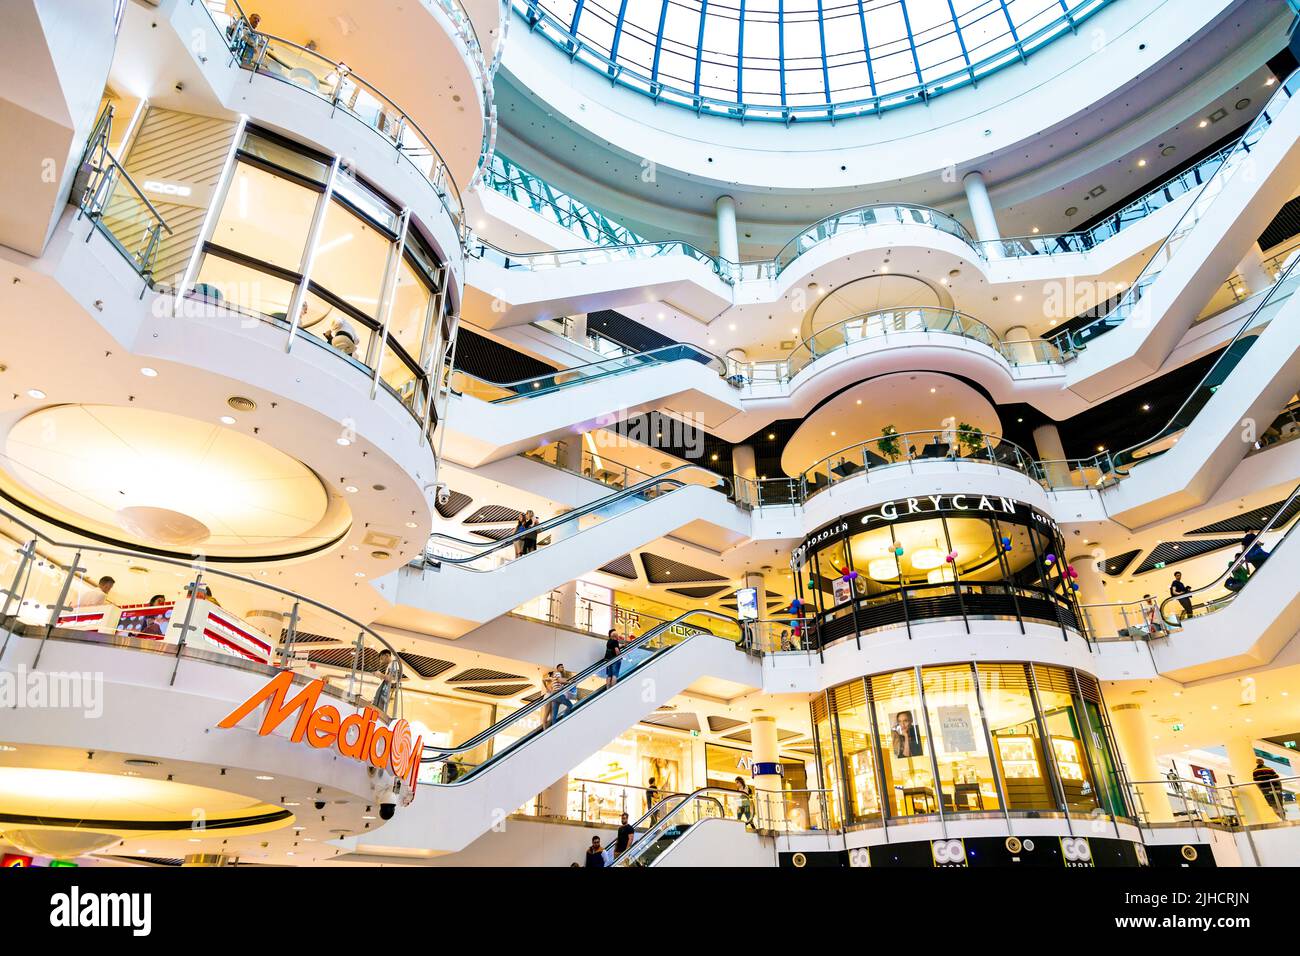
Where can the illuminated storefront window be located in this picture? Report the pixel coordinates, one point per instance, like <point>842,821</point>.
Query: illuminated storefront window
<point>966,738</point>
<point>933,558</point>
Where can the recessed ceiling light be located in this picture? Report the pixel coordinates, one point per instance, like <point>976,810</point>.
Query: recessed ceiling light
<point>263,776</point>
<point>933,390</point>
<point>350,489</point>
<point>1142,162</point>
<point>148,372</point>
<point>1270,81</point>
<point>1019,297</point>
<point>1146,408</point>
<point>859,401</point>
<point>771,436</point>
<point>732,326</point>
<point>1034,230</point>
<point>361,574</point>
<point>35,393</point>
<point>343,441</point>
<point>227,420</point>
<point>1203,123</point>
<point>411,524</point>
<point>833,434</point>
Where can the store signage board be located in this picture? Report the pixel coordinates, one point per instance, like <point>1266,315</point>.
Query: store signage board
<point>747,604</point>
<point>359,736</point>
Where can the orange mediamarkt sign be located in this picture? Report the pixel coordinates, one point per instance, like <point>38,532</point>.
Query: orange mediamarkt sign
<point>359,736</point>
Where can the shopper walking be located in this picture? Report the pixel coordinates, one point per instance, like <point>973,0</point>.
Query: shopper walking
<point>561,693</point>
<point>1254,551</point>
<point>1177,589</point>
<point>1269,783</point>
<point>624,838</point>
<point>595,853</point>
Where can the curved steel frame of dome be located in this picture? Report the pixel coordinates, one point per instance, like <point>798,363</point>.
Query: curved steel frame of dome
<point>788,60</point>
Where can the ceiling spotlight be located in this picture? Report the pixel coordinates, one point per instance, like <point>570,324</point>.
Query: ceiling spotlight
<point>1019,297</point>
<point>263,776</point>
<point>35,393</point>
<point>350,489</point>
<point>771,436</point>
<point>411,524</point>
<point>1270,81</point>
<point>227,420</point>
<point>361,574</point>
<point>1142,162</point>
<point>1203,123</point>
<point>148,372</point>
<point>1034,230</point>
<point>343,441</point>
<point>933,390</point>
<point>1146,408</point>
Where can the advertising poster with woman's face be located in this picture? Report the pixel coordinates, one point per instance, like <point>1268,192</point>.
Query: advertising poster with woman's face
<point>905,736</point>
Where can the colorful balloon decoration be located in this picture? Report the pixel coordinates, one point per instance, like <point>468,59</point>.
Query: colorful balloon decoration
<point>847,575</point>
<point>1049,560</point>
<point>952,557</point>
<point>898,550</point>
<point>1069,570</point>
<point>1074,585</point>
<point>1006,543</point>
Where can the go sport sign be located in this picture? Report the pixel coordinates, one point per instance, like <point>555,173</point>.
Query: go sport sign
<point>891,511</point>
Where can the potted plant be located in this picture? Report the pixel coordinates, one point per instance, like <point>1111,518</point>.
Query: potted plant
<point>970,438</point>
<point>888,443</point>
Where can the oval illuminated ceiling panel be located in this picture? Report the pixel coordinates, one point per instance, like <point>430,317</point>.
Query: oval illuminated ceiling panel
<point>167,482</point>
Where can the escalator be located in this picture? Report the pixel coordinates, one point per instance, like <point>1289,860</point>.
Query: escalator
<point>1236,626</point>
<point>521,415</point>
<point>450,593</point>
<point>1184,463</point>
<point>1233,207</point>
<point>673,818</point>
<point>468,787</point>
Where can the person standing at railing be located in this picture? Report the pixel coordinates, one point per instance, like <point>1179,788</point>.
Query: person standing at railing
<point>1269,783</point>
<point>745,810</point>
<point>390,675</point>
<point>1176,589</point>
<point>1151,616</point>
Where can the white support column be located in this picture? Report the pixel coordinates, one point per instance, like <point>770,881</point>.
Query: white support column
<point>1252,271</point>
<point>1047,442</point>
<point>1020,344</point>
<point>578,328</point>
<point>728,240</point>
<point>981,207</point>
<point>565,607</point>
<point>1133,737</point>
<point>571,456</point>
<point>765,758</point>
<point>744,465</point>
<point>1101,621</point>
<point>1250,801</point>
<point>554,800</point>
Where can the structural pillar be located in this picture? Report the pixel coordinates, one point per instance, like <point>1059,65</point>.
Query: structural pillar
<point>571,455</point>
<point>765,773</point>
<point>1250,801</point>
<point>728,240</point>
<point>981,207</point>
<point>565,607</point>
<point>1133,737</point>
<point>1020,345</point>
<point>1047,442</point>
<point>1101,619</point>
<point>578,328</point>
<point>744,465</point>
<point>554,800</point>
<point>1253,274</point>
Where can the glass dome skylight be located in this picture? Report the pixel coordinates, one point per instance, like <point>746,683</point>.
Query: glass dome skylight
<point>788,60</point>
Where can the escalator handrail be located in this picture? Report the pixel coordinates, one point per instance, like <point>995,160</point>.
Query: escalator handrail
<point>722,484</point>
<point>631,362</point>
<point>1131,296</point>
<point>1269,525</point>
<point>648,839</point>
<point>487,734</point>
<point>1246,325</point>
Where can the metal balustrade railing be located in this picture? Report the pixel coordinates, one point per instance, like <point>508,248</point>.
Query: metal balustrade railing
<point>189,610</point>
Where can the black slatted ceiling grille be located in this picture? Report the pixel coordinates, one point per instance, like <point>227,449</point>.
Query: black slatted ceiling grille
<point>616,326</point>
<point>682,721</point>
<point>342,657</point>
<point>718,724</point>
<point>498,690</point>
<point>534,698</point>
<point>1116,564</point>
<point>149,860</point>
<point>490,360</point>
<point>1251,520</point>
<point>495,534</point>
<point>306,637</point>
<point>706,591</point>
<point>661,570</point>
<point>493,514</point>
<point>425,666</point>
<point>482,673</point>
<point>1175,552</point>
<point>456,503</point>
<point>621,568</point>
<point>1284,225</point>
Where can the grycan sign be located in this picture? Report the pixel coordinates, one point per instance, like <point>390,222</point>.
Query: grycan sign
<point>359,736</point>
